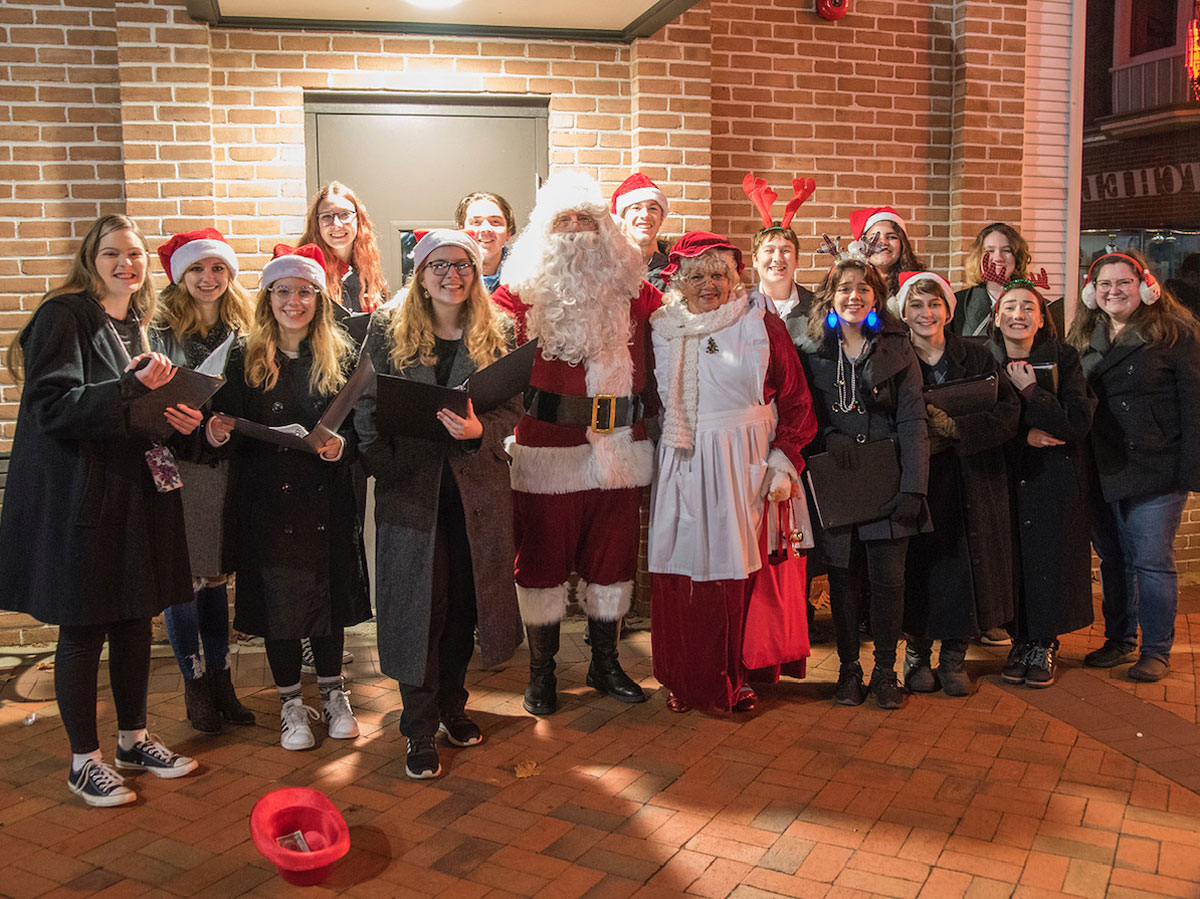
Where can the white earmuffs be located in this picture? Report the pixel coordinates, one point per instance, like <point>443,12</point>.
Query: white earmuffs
<point>1148,287</point>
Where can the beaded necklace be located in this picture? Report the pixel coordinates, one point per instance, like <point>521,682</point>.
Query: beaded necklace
<point>847,400</point>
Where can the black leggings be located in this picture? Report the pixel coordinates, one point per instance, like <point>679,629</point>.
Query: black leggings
<point>883,561</point>
<point>284,657</point>
<point>76,669</point>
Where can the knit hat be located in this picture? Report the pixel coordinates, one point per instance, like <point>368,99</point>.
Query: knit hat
<point>862,220</point>
<point>637,188</point>
<point>444,237</point>
<point>307,262</point>
<point>178,253</point>
<point>694,244</point>
<point>908,279</point>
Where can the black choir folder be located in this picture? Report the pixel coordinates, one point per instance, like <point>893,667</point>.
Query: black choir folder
<point>189,387</point>
<point>845,496</point>
<point>354,323</point>
<point>298,437</point>
<point>407,408</point>
<point>963,395</point>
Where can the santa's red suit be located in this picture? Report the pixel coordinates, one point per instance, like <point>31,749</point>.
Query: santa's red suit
<point>577,488</point>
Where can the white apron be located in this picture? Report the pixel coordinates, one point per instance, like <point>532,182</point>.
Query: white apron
<point>705,510</point>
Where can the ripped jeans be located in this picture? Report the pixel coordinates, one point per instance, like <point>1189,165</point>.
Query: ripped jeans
<point>202,621</point>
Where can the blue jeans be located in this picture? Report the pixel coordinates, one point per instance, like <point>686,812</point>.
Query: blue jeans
<point>1135,540</point>
<point>205,619</point>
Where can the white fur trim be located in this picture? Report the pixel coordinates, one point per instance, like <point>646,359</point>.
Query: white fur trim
<point>640,195</point>
<point>195,250</point>
<point>609,462</point>
<point>542,605</point>
<point>292,266</point>
<point>1088,295</point>
<point>896,303</point>
<point>779,461</point>
<point>607,602</point>
<point>878,217</point>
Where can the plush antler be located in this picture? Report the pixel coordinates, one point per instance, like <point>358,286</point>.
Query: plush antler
<point>873,246</point>
<point>1041,279</point>
<point>803,189</point>
<point>831,245</point>
<point>760,195</point>
<point>991,271</point>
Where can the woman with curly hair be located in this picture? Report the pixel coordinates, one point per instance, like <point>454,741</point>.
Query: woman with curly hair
<point>443,508</point>
<point>338,224</point>
<point>894,251</point>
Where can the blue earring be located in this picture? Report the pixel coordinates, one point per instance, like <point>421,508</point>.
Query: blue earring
<point>831,320</point>
<point>872,319</point>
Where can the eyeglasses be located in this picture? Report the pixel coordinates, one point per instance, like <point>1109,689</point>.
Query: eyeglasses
<point>1123,284</point>
<point>581,220</point>
<point>698,280</point>
<point>440,268</point>
<point>327,219</point>
<point>304,293</point>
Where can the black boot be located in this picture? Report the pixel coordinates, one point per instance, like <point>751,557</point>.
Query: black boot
<point>541,696</point>
<point>225,699</point>
<point>950,668</point>
<point>918,675</point>
<point>605,672</point>
<point>198,700</point>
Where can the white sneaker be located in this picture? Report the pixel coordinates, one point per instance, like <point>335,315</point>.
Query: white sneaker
<point>294,732</point>
<point>339,717</point>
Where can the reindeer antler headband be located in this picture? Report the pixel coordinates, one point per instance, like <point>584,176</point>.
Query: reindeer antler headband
<point>995,273</point>
<point>858,250</point>
<point>764,198</point>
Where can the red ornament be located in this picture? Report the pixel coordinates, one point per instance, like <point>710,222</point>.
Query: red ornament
<point>832,9</point>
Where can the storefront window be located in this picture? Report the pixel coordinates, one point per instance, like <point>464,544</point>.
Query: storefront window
<point>1174,256</point>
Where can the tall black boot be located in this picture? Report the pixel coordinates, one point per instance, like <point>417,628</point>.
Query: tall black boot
<point>225,698</point>
<point>541,697</point>
<point>198,701</point>
<point>605,672</point>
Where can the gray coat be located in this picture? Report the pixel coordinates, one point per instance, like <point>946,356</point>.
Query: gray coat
<point>408,473</point>
<point>205,476</point>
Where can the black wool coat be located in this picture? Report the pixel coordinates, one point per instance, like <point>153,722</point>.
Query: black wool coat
<point>959,577</point>
<point>408,475</point>
<point>85,538</point>
<point>1146,436</point>
<point>292,532</point>
<point>889,388</point>
<point>1050,500</point>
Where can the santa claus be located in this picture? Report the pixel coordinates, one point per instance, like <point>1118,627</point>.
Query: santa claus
<point>579,455</point>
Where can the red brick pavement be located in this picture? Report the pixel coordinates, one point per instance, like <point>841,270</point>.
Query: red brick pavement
<point>992,795</point>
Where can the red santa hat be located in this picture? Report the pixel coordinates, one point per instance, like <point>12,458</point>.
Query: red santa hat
<point>695,243</point>
<point>907,282</point>
<point>178,253</point>
<point>307,262</point>
<point>637,188</point>
<point>862,220</point>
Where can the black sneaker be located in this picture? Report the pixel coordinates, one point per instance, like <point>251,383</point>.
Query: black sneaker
<point>1108,656</point>
<point>422,761</point>
<point>1043,665</point>
<point>460,730</point>
<point>888,694</point>
<point>1017,667</point>
<point>99,785</point>
<point>850,690</point>
<point>151,755</point>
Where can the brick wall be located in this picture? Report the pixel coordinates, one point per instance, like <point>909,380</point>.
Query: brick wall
<point>131,105</point>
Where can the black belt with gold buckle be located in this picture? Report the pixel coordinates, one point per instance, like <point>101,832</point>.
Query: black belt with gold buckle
<point>602,413</point>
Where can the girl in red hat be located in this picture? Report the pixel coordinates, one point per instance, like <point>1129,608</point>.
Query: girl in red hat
<point>196,313</point>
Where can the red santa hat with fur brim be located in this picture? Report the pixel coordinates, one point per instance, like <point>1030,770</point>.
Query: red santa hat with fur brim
<point>637,188</point>
<point>183,250</point>
<point>863,220</point>
<point>306,262</point>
